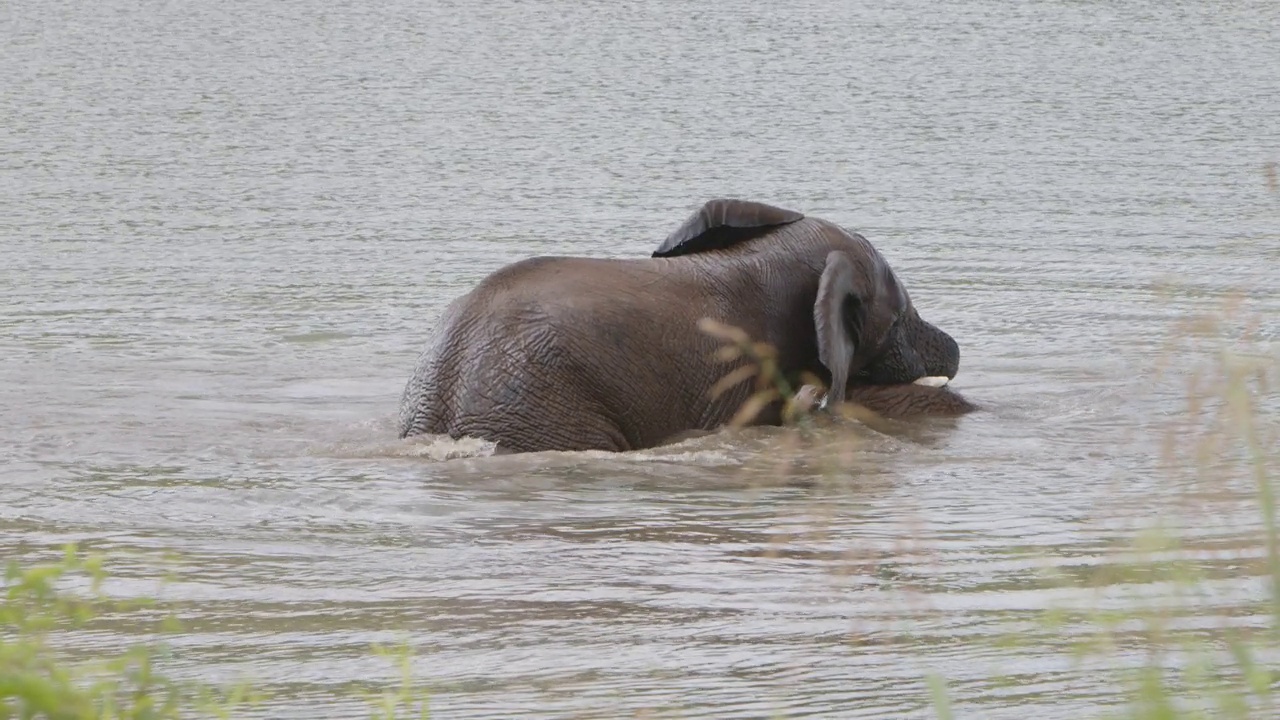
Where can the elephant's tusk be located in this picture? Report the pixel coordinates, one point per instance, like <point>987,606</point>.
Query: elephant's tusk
<point>809,396</point>
<point>933,381</point>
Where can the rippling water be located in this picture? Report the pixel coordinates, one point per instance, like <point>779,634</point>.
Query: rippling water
<point>228,227</point>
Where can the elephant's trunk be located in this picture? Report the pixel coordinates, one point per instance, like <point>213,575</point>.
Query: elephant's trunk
<point>917,350</point>
<point>938,351</point>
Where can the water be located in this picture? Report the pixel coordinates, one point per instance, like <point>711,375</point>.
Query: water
<point>228,228</point>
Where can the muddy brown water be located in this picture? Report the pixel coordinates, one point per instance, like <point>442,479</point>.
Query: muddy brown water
<point>228,227</point>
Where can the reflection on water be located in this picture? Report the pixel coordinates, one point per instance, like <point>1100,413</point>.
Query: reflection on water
<point>228,230</point>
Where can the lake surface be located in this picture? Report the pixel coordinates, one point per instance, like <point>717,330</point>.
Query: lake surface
<point>227,229</point>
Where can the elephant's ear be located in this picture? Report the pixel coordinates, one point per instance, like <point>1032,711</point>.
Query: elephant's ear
<point>722,223</point>
<point>837,316</point>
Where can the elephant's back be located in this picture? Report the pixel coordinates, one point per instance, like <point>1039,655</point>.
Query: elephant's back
<point>571,291</point>
<point>552,276</point>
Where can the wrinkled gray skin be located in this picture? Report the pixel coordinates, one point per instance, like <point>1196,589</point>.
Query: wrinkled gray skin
<point>566,353</point>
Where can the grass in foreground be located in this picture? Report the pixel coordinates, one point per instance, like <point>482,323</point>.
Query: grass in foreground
<point>37,680</point>
<point>1192,660</point>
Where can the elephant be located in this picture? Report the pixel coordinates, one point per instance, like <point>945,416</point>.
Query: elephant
<point>580,353</point>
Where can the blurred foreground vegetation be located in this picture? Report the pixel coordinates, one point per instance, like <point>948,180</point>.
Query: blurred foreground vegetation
<point>1146,610</point>
<point>1180,653</point>
<point>41,603</point>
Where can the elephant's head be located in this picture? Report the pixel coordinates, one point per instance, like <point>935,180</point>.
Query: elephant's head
<point>869,332</point>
